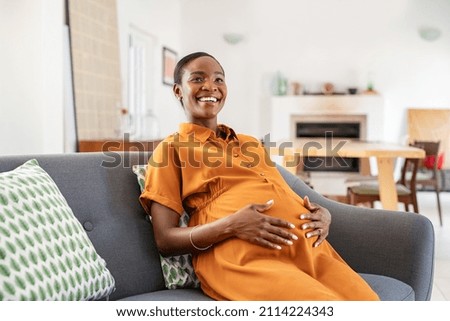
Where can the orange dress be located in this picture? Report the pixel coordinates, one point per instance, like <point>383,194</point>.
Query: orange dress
<point>211,177</point>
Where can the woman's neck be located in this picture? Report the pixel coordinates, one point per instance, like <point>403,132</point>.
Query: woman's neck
<point>208,123</point>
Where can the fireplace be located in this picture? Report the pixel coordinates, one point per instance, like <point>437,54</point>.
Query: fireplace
<point>343,115</point>
<point>334,127</point>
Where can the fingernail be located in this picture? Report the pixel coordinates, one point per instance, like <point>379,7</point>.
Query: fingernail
<point>278,247</point>
<point>302,217</point>
<point>289,242</point>
<point>316,244</point>
<point>304,226</point>
<point>291,225</point>
<point>269,202</point>
<point>308,235</point>
<point>294,237</point>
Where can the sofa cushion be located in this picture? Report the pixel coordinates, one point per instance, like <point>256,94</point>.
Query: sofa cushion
<point>389,289</point>
<point>178,270</point>
<point>45,253</point>
<point>171,295</point>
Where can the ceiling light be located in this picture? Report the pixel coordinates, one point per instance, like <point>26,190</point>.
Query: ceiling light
<point>233,38</point>
<point>429,33</point>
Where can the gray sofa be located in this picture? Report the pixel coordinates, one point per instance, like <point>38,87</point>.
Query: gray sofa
<point>393,251</point>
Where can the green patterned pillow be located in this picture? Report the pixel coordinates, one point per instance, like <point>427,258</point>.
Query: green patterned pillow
<point>44,252</point>
<point>177,270</point>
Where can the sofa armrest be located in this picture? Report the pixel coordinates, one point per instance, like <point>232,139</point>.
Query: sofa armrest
<point>391,243</point>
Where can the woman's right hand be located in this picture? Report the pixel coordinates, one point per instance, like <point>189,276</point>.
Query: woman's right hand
<point>250,224</point>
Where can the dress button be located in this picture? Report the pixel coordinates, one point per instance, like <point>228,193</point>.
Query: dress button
<point>236,155</point>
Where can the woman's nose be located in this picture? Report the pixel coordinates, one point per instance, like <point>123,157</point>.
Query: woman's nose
<point>209,85</point>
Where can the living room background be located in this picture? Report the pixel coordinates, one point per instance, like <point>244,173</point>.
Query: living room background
<point>312,42</point>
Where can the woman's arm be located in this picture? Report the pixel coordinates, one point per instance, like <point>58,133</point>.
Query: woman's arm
<point>248,223</point>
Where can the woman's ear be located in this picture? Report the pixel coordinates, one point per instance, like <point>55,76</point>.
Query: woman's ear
<point>177,91</point>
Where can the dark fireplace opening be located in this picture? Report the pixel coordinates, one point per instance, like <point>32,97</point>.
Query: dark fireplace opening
<point>338,130</point>
<point>329,130</point>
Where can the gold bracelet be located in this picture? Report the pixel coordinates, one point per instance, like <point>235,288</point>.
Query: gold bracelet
<point>192,243</point>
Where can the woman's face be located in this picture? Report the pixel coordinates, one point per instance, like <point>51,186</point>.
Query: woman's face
<point>203,90</point>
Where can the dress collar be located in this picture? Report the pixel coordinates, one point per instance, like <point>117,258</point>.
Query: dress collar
<point>203,133</point>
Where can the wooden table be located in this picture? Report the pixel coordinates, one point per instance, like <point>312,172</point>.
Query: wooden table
<point>385,154</point>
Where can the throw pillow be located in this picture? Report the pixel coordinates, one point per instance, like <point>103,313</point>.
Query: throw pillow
<point>177,270</point>
<point>44,252</point>
<point>430,160</point>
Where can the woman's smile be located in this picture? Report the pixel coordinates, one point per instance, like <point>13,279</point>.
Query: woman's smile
<point>208,99</point>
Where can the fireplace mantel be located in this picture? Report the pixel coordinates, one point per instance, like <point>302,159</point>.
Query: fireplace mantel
<point>284,108</point>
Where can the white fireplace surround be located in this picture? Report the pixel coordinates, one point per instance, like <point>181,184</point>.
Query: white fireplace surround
<point>368,110</point>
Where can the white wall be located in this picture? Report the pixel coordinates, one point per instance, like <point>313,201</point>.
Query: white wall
<point>31,76</point>
<point>317,41</point>
<point>161,21</point>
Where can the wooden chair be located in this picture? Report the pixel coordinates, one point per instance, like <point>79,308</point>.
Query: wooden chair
<point>428,172</point>
<point>406,189</point>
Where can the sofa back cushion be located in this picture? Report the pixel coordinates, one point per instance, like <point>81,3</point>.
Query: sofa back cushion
<point>101,190</point>
<point>45,253</point>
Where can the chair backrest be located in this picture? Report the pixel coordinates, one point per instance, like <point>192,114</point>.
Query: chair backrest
<point>411,166</point>
<point>431,149</point>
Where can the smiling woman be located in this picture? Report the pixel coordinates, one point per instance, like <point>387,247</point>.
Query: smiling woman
<point>246,225</point>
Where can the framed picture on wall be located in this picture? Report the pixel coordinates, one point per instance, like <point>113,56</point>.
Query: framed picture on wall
<point>169,62</point>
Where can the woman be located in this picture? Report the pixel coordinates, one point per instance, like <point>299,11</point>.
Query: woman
<point>247,227</point>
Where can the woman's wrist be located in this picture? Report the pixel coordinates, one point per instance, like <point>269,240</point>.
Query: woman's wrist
<point>214,232</point>
<point>198,248</point>
<point>226,226</point>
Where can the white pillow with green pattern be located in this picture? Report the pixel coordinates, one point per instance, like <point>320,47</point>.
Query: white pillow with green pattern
<point>45,254</point>
<point>177,270</point>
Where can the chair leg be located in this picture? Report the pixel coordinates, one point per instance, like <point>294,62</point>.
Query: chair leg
<point>350,197</point>
<point>414,202</point>
<point>415,205</point>
<point>439,204</point>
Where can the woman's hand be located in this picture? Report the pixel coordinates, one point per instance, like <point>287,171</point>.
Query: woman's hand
<point>250,224</point>
<point>320,221</point>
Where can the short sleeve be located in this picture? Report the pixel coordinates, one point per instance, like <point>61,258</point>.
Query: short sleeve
<point>163,179</point>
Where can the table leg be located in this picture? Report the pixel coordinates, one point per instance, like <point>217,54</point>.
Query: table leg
<point>388,192</point>
<point>289,163</point>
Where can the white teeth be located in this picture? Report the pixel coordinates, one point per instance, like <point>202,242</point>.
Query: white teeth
<point>208,99</point>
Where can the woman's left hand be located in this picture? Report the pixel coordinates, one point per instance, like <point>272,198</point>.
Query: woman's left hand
<point>320,220</point>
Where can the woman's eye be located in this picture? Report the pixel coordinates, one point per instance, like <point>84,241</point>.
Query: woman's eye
<point>198,79</point>
<point>219,80</point>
